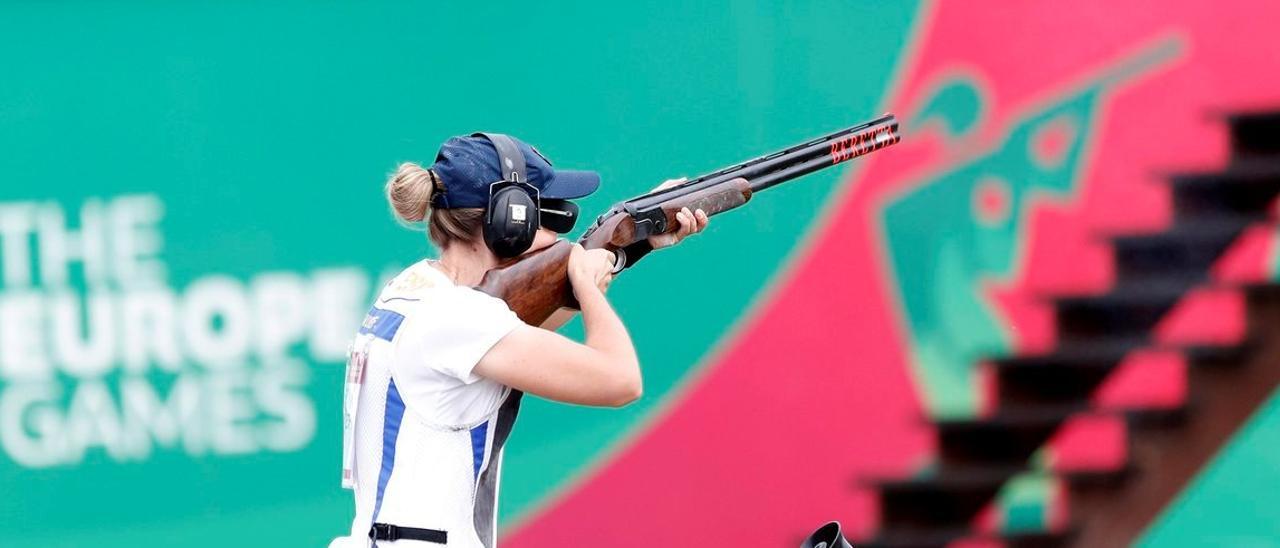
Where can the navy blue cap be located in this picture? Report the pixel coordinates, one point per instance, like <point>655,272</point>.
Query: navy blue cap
<point>468,165</point>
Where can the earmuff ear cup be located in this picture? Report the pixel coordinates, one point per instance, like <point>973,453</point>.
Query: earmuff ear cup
<point>511,222</point>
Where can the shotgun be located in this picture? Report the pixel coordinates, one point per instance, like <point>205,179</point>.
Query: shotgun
<point>536,284</point>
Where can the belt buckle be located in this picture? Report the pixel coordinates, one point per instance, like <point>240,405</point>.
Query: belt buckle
<point>384,531</point>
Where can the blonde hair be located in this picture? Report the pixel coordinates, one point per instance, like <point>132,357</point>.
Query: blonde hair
<point>409,190</point>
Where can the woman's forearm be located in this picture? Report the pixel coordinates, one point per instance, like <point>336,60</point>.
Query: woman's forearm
<point>605,331</point>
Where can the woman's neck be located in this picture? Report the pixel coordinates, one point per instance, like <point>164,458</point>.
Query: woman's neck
<point>465,263</point>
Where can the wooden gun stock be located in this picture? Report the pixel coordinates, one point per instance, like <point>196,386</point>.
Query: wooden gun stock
<point>536,285</point>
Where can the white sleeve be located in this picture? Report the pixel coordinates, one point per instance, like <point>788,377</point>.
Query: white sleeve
<point>454,330</point>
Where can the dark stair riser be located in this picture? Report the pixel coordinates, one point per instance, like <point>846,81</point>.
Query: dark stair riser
<point>1188,255</point>
<point>948,506</point>
<point>1083,319</point>
<point>1254,135</point>
<point>980,442</point>
<point>1263,300</point>
<point>1201,197</point>
<point>951,500</point>
<point>1009,439</point>
<point>1059,385</point>
<point>947,538</point>
<point>1026,382</point>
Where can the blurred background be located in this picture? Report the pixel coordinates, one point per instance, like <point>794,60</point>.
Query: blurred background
<point>1048,316</point>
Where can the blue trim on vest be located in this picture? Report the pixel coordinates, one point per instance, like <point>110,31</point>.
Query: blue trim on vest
<point>390,431</point>
<point>479,435</point>
<point>383,324</point>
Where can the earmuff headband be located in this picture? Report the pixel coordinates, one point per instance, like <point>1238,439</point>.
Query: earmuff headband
<point>509,156</point>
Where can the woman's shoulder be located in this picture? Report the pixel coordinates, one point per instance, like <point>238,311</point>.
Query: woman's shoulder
<point>424,285</point>
<point>415,282</point>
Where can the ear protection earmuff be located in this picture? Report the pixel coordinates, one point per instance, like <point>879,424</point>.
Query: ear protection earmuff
<point>513,216</point>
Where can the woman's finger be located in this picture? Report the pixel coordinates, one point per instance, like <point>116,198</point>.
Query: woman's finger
<point>606,261</point>
<point>690,227</point>
<point>702,219</point>
<point>686,227</point>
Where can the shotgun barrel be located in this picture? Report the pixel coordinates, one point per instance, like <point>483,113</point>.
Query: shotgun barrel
<point>789,163</point>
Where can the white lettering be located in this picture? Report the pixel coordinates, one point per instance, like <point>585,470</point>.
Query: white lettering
<point>150,330</point>
<point>230,413</point>
<point>218,367</point>
<point>60,246</point>
<point>283,311</point>
<point>93,353</point>
<point>279,392</point>
<point>22,349</point>
<point>30,425</point>
<point>216,321</point>
<point>15,242</point>
<point>146,417</point>
<point>92,421</point>
<point>137,242</point>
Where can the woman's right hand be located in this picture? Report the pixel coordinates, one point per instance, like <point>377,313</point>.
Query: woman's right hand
<point>590,268</point>
<point>602,370</point>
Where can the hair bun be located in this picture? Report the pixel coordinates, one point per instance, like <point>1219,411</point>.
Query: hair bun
<point>409,191</point>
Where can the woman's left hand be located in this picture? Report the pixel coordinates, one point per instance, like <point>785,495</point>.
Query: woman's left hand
<point>691,222</point>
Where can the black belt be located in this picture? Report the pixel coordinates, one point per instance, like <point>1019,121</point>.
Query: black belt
<point>387,532</point>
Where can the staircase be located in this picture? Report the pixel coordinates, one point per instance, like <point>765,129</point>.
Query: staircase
<point>1037,394</point>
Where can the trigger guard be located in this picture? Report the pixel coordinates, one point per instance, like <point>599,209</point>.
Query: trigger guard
<point>619,261</point>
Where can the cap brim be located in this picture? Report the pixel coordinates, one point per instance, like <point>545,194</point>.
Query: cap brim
<point>569,184</point>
